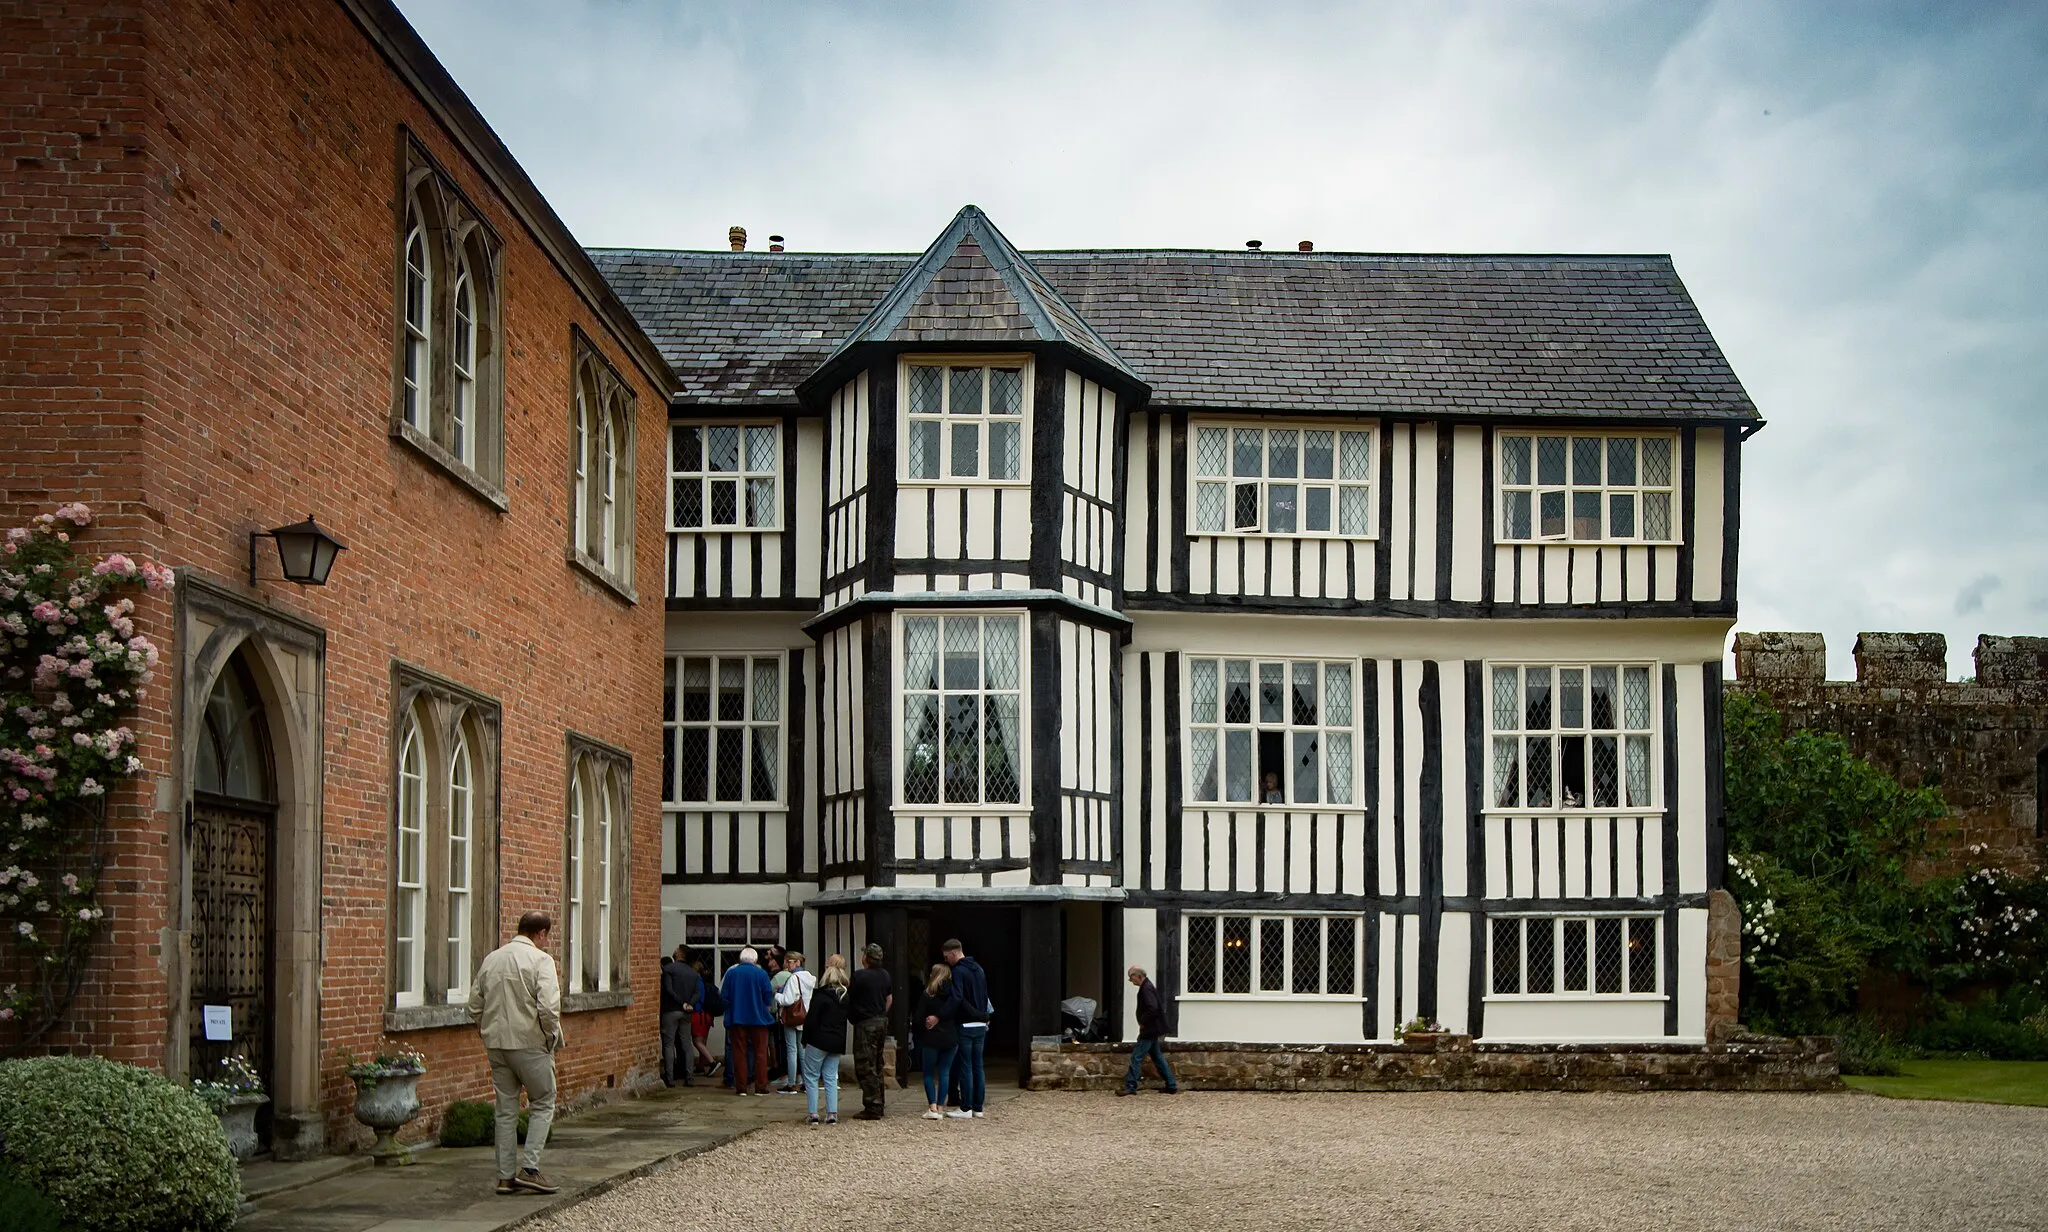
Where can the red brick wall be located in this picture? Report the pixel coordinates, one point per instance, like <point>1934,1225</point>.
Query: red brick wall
<point>231,370</point>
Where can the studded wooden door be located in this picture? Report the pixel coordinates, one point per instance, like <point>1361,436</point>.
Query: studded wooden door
<point>231,931</point>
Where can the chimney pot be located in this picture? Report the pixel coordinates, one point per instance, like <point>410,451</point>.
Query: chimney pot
<point>737,237</point>
<point>774,243</point>
<point>1255,245</point>
<point>1306,246</point>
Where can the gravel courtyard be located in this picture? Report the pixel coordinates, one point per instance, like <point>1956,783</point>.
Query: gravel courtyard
<point>1412,1161</point>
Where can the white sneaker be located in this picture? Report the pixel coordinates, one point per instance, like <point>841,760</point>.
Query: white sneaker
<point>931,1114</point>
<point>979,1115</point>
<point>959,1114</point>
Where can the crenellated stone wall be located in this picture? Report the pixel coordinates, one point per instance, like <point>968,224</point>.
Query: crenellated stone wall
<point>1455,1063</point>
<point>1982,743</point>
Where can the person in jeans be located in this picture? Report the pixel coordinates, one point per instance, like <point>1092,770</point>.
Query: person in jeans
<point>1151,1036</point>
<point>868,1009</point>
<point>793,987</point>
<point>517,1003</point>
<point>681,989</point>
<point>749,1012</point>
<point>824,1038</point>
<point>938,1016</point>
<point>970,984</point>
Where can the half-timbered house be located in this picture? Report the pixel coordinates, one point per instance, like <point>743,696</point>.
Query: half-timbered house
<point>1336,635</point>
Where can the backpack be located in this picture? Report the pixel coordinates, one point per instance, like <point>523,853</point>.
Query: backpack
<point>709,1001</point>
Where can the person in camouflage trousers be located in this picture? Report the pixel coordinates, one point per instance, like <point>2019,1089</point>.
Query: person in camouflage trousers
<point>868,1009</point>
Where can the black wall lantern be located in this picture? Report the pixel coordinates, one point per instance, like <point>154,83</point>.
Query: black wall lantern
<point>305,552</point>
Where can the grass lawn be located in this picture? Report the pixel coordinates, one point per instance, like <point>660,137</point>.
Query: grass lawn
<point>1983,1082</point>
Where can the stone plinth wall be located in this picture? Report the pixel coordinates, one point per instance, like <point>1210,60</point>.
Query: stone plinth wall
<point>1744,1063</point>
<point>1724,965</point>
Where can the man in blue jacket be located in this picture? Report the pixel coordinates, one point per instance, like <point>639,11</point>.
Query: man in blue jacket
<point>970,984</point>
<point>749,1012</point>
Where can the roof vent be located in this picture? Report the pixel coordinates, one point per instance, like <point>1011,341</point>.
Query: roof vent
<point>737,237</point>
<point>774,243</point>
<point>1306,246</point>
<point>1255,245</point>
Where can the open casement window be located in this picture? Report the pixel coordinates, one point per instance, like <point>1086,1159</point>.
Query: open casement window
<point>1303,480</point>
<point>1587,488</point>
<point>443,913</point>
<point>723,736</point>
<point>719,937</point>
<point>1267,956</point>
<point>448,370</point>
<point>1575,957</point>
<point>601,456</point>
<point>1271,732</point>
<point>966,419</point>
<point>596,854</point>
<point>962,707</point>
<point>1574,736</point>
<point>724,477</point>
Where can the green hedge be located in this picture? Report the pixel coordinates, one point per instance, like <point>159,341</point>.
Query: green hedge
<point>469,1122</point>
<point>116,1148</point>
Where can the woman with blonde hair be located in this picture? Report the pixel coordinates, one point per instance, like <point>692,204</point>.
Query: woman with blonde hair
<point>938,1020</point>
<point>824,1039</point>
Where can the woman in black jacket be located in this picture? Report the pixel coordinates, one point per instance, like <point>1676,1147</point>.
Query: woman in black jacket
<point>824,1036</point>
<point>938,1021</point>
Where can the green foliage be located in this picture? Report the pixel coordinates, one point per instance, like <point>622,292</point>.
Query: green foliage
<point>469,1122</point>
<point>1820,843</point>
<point>1990,1082</point>
<point>1868,1050</point>
<point>236,1080</point>
<point>23,1208</point>
<point>2011,1027</point>
<point>117,1148</point>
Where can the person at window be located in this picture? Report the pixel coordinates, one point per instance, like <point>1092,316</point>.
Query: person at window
<point>517,1003</point>
<point>824,1038</point>
<point>971,983</point>
<point>938,1038</point>
<point>681,989</point>
<point>874,993</point>
<point>1271,793</point>
<point>793,989</point>
<point>749,1012</point>
<point>1151,1036</point>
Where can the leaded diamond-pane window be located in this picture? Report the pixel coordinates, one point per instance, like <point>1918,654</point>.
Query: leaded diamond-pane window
<point>1271,731</point>
<point>722,730</point>
<point>1573,736</point>
<point>1575,957</point>
<point>720,938</point>
<point>1616,488</point>
<point>1272,956</point>
<point>724,477</point>
<point>1282,481</point>
<point>962,710</point>
<point>965,421</point>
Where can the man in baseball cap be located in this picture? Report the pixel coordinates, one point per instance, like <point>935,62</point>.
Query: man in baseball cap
<point>868,1010</point>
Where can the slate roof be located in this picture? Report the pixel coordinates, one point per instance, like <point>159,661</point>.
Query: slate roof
<point>1366,333</point>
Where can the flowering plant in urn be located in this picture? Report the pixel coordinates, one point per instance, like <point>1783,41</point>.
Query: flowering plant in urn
<point>72,668</point>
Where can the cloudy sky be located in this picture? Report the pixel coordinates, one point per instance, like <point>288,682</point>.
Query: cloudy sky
<point>1856,194</point>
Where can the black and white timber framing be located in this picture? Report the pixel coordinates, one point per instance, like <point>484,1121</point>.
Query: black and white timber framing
<point>1391,894</point>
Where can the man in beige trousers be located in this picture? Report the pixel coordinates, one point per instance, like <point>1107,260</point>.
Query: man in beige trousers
<point>517,1002</point>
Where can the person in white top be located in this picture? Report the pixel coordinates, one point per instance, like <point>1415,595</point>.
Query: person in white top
<point>795,999</point>
<point>517,1003</point>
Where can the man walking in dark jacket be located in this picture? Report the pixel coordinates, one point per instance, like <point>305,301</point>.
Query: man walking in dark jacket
<point>970,982</point>
<point>1151,1036</point>
<point>681,989</point>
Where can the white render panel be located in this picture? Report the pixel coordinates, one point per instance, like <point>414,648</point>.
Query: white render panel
<point>1575,857</point>
<point>810,505</point>
<point>1547,885</point>
<point>1691,787</point>
<point>1411,967</point>
<point>1141,949</point>
<point>1411,787</point>
<point>1637,564</point>
<point>1400,528</point>
<point>1667,574</point>
<point>1269,1020</point>
<point>1327,826</point>
<point>1556,573</point>
<point>1584,569</point>
<point>1453,972</point>
<point>980,533</point>
<point>1706,517</point>
<point>1610,572</point>
<point>1652,832</point>
<point>1424,523</point>
<point>1383,799</point>
<point>1246,845</point>
<point>668,845</point>
<point>1496,857</point>
<point>1582,1020</point>
<point>1471,512</point>
<point>1692,973</point>
<point>1451,678</point>
<point>1387,1015</point>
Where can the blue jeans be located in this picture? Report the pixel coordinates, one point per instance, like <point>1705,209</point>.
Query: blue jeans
<point>938,1063</point>
<point>792,1056</point>
<point>1157,1050</point>
<point>973,1077</point>
<point>819,1068</point>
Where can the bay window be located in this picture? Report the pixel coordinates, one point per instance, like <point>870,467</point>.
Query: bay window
<point>962,706</point>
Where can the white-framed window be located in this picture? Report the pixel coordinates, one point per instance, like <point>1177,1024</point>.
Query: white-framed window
<point>601,447</point>
<point>419,299</point>
<point>719,937</point>
<point>1299,480</point>
<point>1271,731</point>
<point>596,863</point>
<point>966,419</point>
<point>723,737</point>
<point>962,710</point>
<point>604,543</point>
<point>409,898</point>
<point>1587,487</point>
<point>579,467</point>
<point>572,878</point>
<point>462,407</point>
<point>724,477</point>
<point>1574,736</point>
<point>1575,957</point>
<point>1273,955</point>
<point>461,862</point>
<point>601,879</point>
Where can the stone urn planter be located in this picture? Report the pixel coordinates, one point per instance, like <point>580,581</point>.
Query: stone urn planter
<point>238,1122</point>
<point>385,1100</point>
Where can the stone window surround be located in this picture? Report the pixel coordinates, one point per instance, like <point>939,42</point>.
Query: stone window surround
<point>592,374</point>
<point>617,764</point>
<point>452,223</point>
<point>441,704</point>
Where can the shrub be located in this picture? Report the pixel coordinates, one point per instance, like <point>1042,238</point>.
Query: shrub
<point>1993,1028</point>
<point>118,1149</point>
<point>469,1122</point>
<point>1869,1050</point>
<point>24,1209</point>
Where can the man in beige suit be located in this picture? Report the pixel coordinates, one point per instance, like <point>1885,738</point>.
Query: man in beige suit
<point>517,1002</point>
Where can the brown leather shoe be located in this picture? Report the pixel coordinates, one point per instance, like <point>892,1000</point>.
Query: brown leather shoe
<point>505,1187</point>
<point>533,1182</point>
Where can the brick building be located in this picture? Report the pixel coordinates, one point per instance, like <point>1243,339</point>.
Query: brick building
<point>264,260</point>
